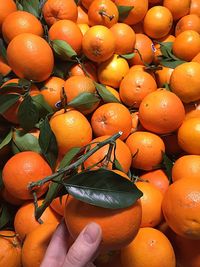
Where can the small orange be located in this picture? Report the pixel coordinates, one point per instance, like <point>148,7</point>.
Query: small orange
<point>178,8</point>
<point>111,118</point>
<point>98,43</point>
<point>88,66</point>
<point>163,76</point>
<point>188,22</point>
<point>6,8</point>
<point>54,10</point>
<point>189,136</point>
<point>58,204</point>
<point>82,15</point>
<point>195,7</point>
<point>146,149</point>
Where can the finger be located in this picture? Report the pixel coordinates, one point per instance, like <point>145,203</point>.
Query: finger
<point>85,246</point>
<point>57,249</point>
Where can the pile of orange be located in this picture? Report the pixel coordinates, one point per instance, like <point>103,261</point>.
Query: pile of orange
<point>93,69</point>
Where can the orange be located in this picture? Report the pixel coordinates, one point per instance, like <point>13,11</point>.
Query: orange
<point>144,53</point>
<point>4,68</point>
<point>189,88</point>
<point>146,149</point>
<point>186,45</point>
<point>82,15</point>
<point>188,22</point>
<point>157,22</point>
<point>150,248</point>
<point>195,7</point>
<point>98,43</point>
<point>23,53</point>
<point>189,136</point>
<point>181,207</point>
<point>151,204</point>
<point>114,92</point>
<point>67,31</point>
<point>20,22</point>
<point>141,68</point>
<point>6,8</point>
<point>10,198</point>
<point>124,37</point>
<point>103,12</point>
<point>51,91</point>
<point>157,112</point>
<point>122,154</point>
<point>58,204</point>
<point>10,253</point>
<point>78,214</point>
<point>178,8</point>
<point>35,245</point>
<point>75,86</point>
<point>23,168</point>
<point>135,86</point>
<point>83,27</point>
<point>25,221</point>
<point>137,13</point>
<point>158,178</point>
<point>196,58</point>
<point>163,76</point>
<point>87,66</point>
<point>112,71</point>
<point>111,118</point>
<point>187,166</point>
<point>54,10</point>
<point>71,129</point>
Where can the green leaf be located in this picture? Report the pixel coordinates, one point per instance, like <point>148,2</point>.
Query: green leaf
<point>23,83</point>
<point>31,6</point>
<point>23,141</point>
<point>47,142</point>
<point>171,64</point>
<point>103,188</point>
<point>61,68</point>
<point>128,56</point>
<point>69,156</point>
<point>41,105</point>
<point>28,114</point>
<point>117,165</point>
<point>105,94</point>
<point>6,101</point>
<point>3,50</point>
<point>7,215</point>
<point>19,6</point>
<point>63,49</point>
<point>6,140</point>
<point>168,164</point>
<point>11,85</point>
<point>124,12</point>
<point>84,101</point>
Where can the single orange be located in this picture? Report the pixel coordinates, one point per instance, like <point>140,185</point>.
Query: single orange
<point>188,22</point>
<point>178,8</point>
<point>6,7</point>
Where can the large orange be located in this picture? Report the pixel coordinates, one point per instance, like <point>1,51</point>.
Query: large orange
<point>122,154</point>
<point>25,221</point>
<point>188,22</point>
<point>135,86</point>
<point>189,88</point>
<point>150,248</point>
<point>98,43</point>
<point>6,8</point>
<point>10,252</point>
<point>181,207</point>
<point>189,136</point>
<point>146,149</point>
<point>20,22</point>
<point>111,118</point>
<point>54,10</point>
<point>71,129</point>
<point>67,31</point>
<point>23,53</point>
<point>151,204</point>
<point>78,214</point>
<point>161,112</point>
<point>178,8</point>
<point>23,168</point>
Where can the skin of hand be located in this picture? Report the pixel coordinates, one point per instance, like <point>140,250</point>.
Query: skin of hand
<point>80,254</point>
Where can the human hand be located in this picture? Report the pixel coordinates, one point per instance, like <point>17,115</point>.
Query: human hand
<point>79,254</point>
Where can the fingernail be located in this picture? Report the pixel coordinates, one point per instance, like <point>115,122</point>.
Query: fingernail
<point>91,233</point>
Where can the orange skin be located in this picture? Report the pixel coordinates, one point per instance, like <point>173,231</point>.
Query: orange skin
<point>178,8</point>
<point>154,245</point>
<point>98,43</point>
<point>195,7</point>
<point>187,45</point>
<point>145,46</point>
<point>137,13</point>
<point>158,178</point>
<point>68,31</point>
<point>82,15</point>
<point>10,253</point>
<point>78,214</point>
<point>196,58</point>
<point>188,22</point>
<point>157,22</point>
<point>6,8</point>
<point>189,88</point>
<point>10,198</point>
<point>146,149</point>
<point>135,121</point>
<point>4,68</point>
<point>157,109</point>
<point>83,28</point>
<point>189,136</point>
<point>122,152</point>
<point>20,22</point>
<point>135,86</point>
<point>111,118</point>
<point>58,205</point>
<point>23,53</point>
<point>181,207</point>
<point>86,3</point>
<point>103,12</point>
<point>54,10</point>
<point>163,76</point>
<point>88,66</point>
<point>23,168</point>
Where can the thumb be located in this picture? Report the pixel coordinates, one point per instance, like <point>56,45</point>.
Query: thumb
<point>85,246</point>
